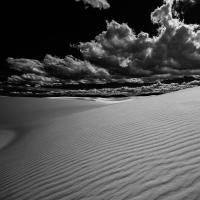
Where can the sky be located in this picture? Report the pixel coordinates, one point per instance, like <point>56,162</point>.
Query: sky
<point>99,39</point>
<point>33,29</point>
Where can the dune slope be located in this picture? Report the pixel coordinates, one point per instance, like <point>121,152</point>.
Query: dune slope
<point>147,148</point>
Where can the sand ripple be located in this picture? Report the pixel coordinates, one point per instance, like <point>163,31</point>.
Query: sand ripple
<point>147,148</point>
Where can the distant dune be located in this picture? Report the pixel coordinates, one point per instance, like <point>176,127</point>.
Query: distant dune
<point>147,148</point>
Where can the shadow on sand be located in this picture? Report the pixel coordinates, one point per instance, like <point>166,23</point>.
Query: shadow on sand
<point>6,138</point>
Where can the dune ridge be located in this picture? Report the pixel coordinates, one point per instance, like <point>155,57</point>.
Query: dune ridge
<point>146,148</point>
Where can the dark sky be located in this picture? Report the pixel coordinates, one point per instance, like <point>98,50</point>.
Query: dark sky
<point>33,29</point>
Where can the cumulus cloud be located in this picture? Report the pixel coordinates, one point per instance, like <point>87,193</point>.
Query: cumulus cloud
<point>101,4</point>
<point>174,50</point>
<point>119,49</point>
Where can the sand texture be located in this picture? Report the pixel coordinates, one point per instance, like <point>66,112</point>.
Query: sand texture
<point>144,149</point>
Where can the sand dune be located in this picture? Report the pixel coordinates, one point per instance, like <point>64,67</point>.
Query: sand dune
<point>146,148</point>
<point>6,137</point>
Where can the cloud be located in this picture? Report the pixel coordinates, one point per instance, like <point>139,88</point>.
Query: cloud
<point>101,4</point>
<point>32,79</point>
<point>23,65</point>
<point>119,50</point>
<point>174,50</point>
<point>177,46</point>
<point>54,70</point>
<point>118,53</point>
<point>72,68</point>
<point>185,1</point>
<point>178,1</point>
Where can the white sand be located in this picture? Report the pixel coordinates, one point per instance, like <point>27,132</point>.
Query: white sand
<point>144,149</point>
<point>6,137</point>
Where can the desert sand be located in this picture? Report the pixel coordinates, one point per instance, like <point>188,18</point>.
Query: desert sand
<point>147,148</point>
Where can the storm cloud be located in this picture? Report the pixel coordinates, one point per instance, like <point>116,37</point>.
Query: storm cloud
<point>101,4</point>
